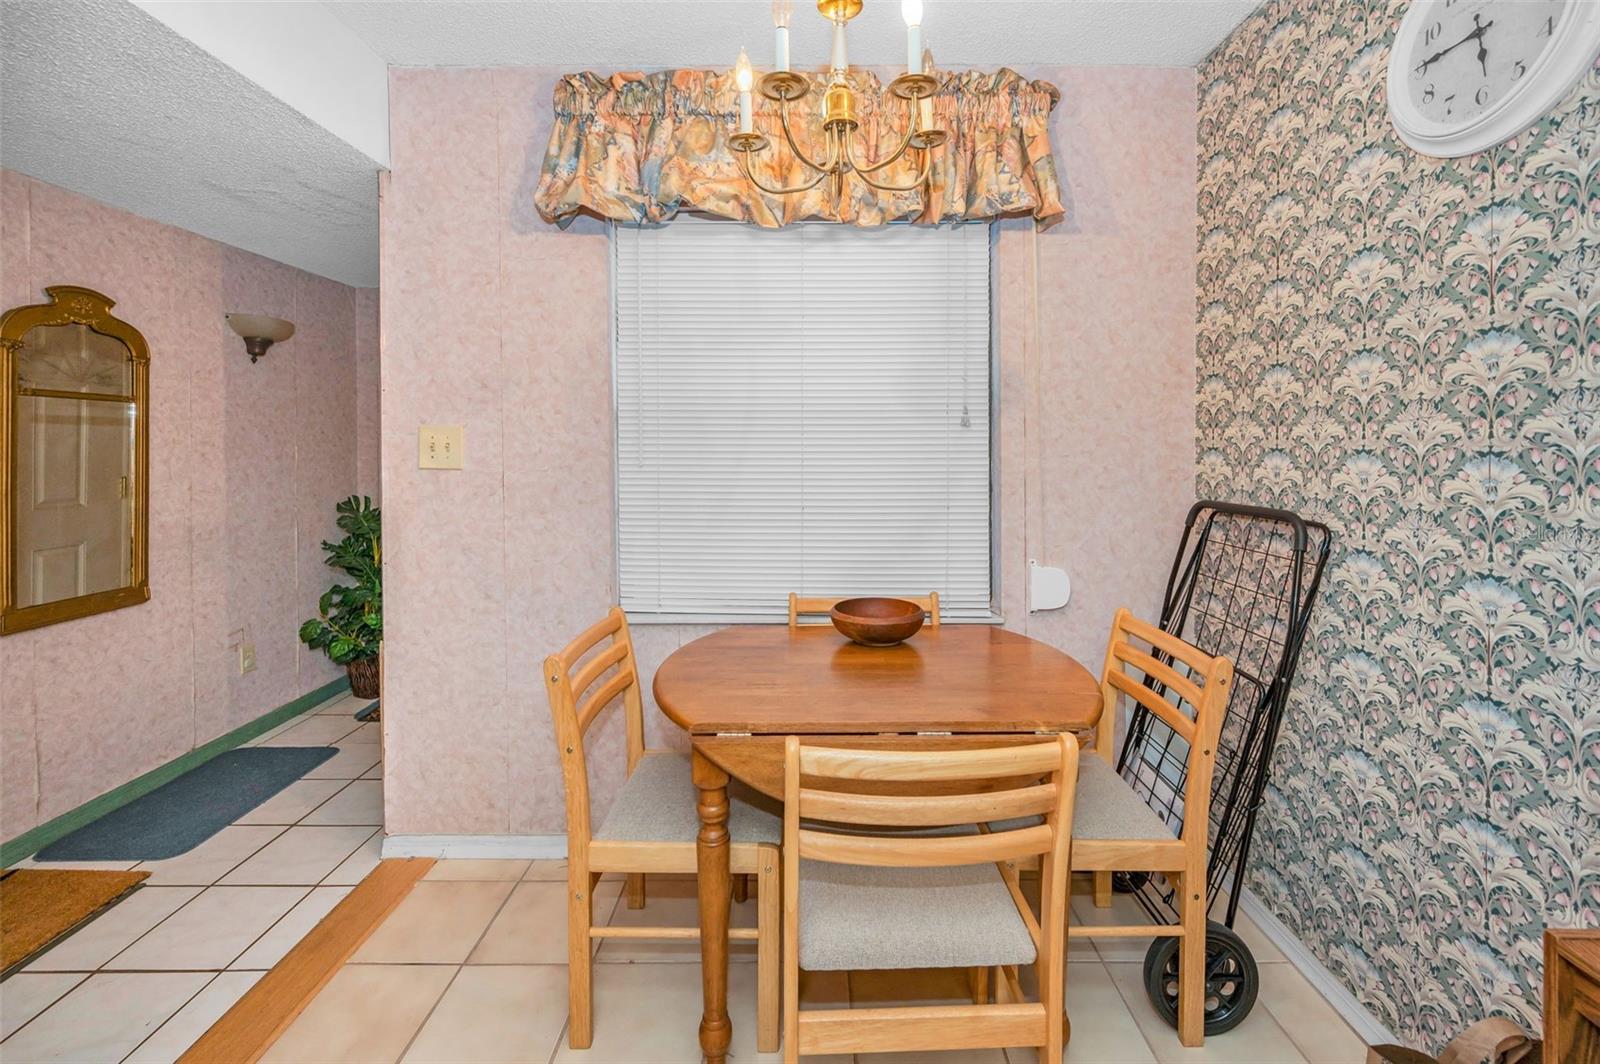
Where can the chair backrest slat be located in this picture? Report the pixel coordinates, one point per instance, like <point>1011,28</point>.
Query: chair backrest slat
<point>811,606</point>
<point>925,851</point>
<point>586,674</point>
<point>850,827</point>
<point>908,765</point>
<point>590,707</point>
<point>1157,670</point>
<point>1169,644</point>
<point>927,811</point>
<point>613,622</point>
<point>576,703</point>
<point>1152,700</point>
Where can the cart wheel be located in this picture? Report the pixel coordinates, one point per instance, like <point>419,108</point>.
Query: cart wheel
<point>1128,882</point>
<point>1232,980</point>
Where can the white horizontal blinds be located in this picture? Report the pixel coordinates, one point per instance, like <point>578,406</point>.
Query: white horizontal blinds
<point>803,409</point>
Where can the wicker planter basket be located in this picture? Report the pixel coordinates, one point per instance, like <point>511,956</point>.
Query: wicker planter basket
<point>363,677</point>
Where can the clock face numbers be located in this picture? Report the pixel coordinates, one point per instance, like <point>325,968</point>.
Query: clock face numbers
<point>1472,55</point>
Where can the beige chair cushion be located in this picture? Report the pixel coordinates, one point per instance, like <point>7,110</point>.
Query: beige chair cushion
<point>854,917</point>
<point>657,804</point>
<point>1107,808</point>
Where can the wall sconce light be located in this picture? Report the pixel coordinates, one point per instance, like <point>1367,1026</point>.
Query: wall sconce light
<point>259,331</point>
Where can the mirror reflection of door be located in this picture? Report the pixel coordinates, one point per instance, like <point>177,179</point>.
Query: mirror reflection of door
<point>76,382</point>
<point>75,512</point>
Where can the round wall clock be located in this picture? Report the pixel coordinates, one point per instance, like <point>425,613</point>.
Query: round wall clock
<point>1465,75</point>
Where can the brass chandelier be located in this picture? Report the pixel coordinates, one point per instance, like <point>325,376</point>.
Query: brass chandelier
<point>915,87</point>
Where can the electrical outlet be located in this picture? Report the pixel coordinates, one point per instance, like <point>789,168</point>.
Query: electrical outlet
<point>439,447</point>
<point>247,658</point>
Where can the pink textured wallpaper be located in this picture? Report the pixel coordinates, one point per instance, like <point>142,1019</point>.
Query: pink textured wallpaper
<point>497,322</point>
<point>367,395</point>
<point>246,463</point>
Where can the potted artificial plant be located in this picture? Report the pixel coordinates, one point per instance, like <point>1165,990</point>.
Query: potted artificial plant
<point>350,628</point>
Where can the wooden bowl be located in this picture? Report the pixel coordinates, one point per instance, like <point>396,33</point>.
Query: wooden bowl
<point>877,622</point>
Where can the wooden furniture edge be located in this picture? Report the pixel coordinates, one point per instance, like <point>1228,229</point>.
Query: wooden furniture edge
<point>256,1020</point>
<point>1571,997</point>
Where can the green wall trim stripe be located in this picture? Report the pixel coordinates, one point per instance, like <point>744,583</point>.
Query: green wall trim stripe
<point>35,839</point>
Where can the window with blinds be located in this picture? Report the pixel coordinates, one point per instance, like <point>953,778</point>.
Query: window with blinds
<point>804,409</point>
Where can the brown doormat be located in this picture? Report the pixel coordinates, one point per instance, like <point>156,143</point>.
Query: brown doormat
<point>39,905</point>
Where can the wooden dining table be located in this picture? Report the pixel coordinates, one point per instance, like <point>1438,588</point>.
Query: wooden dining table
<point>739,691</point>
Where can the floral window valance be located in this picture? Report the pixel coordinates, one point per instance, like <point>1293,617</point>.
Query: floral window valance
<point>642,147</point>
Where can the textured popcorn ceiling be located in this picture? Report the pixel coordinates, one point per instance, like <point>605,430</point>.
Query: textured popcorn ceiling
<point>632,34</point>
<point>100,98</point>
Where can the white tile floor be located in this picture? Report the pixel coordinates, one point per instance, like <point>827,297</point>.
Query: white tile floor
<point>147,978</point>
<point>469,968</point>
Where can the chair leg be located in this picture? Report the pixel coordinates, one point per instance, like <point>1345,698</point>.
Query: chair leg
<point>1102,890</point>
<point>1058,1028</point>
<point>741,888</point>
<point>580,978</point>
<point>978,980</point>
<point>1192,962</point>
<point>789,956</point>
<point>636,890</point>
<point>769,912</point>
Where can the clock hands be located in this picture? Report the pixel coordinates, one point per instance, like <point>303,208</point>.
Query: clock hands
<point>1480,28</point>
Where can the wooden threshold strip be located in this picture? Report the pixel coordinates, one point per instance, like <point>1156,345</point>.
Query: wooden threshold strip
<point>267,1009</point>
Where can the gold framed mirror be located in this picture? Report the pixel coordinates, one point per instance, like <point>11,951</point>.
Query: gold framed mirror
<point>75,461</point>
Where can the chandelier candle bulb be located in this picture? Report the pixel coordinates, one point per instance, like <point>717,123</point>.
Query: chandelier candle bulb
<point>925,105</point>
<point>744,78</point>
<point>781,10</point>
<point>911,11</point>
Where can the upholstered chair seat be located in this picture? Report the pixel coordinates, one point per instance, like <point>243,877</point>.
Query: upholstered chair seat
<point>657,804</point>
<point>859,916</point>
<point>1107,808</point>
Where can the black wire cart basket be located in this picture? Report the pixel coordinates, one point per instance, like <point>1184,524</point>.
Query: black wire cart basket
<point>1242,585</point>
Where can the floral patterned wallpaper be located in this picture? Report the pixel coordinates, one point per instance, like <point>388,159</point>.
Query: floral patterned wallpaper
<point>1408,349</point>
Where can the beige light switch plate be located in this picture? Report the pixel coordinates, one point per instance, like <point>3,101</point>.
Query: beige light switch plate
<point>439,447</point>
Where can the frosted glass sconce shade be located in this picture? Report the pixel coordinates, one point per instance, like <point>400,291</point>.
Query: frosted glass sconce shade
<point>259,331</point>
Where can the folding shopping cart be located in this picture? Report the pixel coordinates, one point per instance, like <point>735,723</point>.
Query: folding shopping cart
<point>1242,585</point>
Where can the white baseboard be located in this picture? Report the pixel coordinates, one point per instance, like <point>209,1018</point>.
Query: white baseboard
<point>477,847</point>
<point>1368,1026</point>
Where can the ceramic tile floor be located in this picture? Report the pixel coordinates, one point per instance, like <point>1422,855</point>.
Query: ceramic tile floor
<point>469,968</point>
<point>144,980</point>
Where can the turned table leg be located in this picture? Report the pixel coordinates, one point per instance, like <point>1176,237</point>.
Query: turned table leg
<point>711,851</point>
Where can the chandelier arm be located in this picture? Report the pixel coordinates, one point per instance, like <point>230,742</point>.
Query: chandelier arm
<point>744,165</point>
<point>922,177</point>
<point>783,120</point>
<point>905,143</point>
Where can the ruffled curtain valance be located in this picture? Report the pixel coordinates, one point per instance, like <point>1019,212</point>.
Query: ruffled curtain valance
<point>641,147</point>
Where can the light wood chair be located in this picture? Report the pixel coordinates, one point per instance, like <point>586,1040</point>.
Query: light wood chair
<point>651,826</point>
<point>871,881</point>
<point>804,606</point>
<point>1116,830</point>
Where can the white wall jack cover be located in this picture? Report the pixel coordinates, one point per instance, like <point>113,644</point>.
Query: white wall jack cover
<point>1049,588</point>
